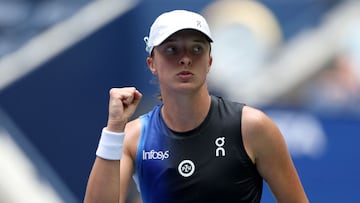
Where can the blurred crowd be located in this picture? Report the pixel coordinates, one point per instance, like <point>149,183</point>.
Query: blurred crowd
<point>316,69</point>
<point>334,88</point>
<point>249,35</point>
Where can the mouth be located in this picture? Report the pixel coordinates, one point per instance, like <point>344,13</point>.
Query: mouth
<point>185,75</point>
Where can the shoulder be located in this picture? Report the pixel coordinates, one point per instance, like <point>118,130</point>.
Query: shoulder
<point>255,120</point>
<point>260,133</point>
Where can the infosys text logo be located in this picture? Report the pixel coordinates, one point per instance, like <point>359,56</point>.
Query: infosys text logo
<point>155,155</point>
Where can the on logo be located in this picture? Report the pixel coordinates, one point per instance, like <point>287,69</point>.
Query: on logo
<point>220,151</point>
<point>186,168</point>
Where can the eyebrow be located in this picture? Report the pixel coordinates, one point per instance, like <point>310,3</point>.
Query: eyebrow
<point>194,40</point>
<point>201,40</point>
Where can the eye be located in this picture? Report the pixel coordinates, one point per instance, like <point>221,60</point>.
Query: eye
<point>197,49</point>
<point>170,49</point>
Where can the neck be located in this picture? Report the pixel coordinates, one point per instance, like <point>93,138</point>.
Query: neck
<point>183,112</point>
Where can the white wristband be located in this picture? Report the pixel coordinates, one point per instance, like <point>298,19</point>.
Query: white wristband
<point>110,145</point>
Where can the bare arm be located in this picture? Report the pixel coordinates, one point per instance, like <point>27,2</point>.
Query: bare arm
<point>104,181</point>
<point>127,162</point>
<point>266,146</point>
<point>103,184</point>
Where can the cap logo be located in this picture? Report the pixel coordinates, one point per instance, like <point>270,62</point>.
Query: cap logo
<point>198,23</point>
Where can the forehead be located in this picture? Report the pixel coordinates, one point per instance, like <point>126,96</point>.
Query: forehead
<point>187,34</point>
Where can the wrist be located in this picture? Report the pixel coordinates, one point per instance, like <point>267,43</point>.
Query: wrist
<point>110,145</point>
<point>116,126</point>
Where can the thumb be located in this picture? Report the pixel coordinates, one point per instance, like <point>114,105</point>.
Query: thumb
<point>137,97</point>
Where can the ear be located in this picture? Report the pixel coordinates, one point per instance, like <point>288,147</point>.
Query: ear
<point>150,63</point>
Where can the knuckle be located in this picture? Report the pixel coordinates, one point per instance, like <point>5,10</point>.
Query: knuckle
<point>113,91</point>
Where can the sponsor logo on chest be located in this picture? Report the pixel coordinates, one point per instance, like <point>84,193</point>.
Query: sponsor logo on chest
<point>220,149</point>
<point>155,155</point>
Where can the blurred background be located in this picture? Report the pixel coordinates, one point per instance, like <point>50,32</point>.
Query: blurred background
<point>299,61</point>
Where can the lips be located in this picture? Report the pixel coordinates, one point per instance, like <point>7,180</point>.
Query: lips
<point>185,75</point>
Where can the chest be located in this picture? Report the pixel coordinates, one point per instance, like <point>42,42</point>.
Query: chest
<point>210,160</point>
<point>207,164</point>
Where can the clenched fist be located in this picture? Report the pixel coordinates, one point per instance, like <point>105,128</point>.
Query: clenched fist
<point>122,105</point>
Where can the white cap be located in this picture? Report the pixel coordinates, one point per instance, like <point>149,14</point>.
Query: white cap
<point>170,22</point>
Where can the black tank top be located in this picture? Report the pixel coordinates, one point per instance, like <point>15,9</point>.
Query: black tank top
<point>207,164</point>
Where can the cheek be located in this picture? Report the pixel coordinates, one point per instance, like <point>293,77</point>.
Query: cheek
<point>166,65</point>
<point>207,64</point>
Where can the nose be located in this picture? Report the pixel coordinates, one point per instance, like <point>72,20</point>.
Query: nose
<point>185,59</point>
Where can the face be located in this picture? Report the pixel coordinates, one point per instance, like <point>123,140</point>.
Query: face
<point>182,61</point>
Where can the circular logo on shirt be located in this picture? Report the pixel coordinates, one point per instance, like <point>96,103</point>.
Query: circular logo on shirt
<point>186,168</point>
